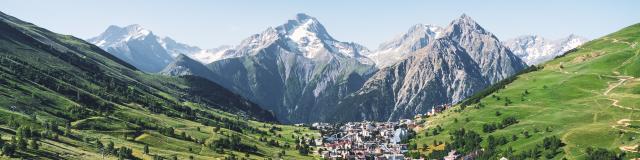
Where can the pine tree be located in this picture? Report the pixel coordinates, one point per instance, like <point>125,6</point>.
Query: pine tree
<point>34,144</point>
<point>1,142</point>
<point>22,143</point>
<point>146,149</point>
<point>67,129</point>
<point>8,150</point>
<point>110,147</point>
<point>216,129</point>
<point>99,144</point>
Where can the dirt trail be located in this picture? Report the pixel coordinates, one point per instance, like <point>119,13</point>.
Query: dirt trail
<point>614,102</point>
<point>622,123</point>
<point>629,148</point>
<point>621,80</point>
<point>632,45</point>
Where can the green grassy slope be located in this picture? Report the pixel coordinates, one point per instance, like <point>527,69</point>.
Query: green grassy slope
<point>589,97</point>
<point>67,96</point>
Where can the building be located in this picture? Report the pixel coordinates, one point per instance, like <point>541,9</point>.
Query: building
<point>394,156</point>
<point>452,156</point>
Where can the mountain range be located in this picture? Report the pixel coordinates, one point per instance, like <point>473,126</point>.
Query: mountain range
<point>301,73</point>
<point>149,52</point>
<point>130,94</point>
<point>297,70</point>
<point>462,59</point>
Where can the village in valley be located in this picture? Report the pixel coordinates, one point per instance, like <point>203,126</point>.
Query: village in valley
<point>369,140</point>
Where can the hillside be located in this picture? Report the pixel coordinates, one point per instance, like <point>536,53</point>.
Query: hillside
<point>64,98</point>
<point>587,99</point>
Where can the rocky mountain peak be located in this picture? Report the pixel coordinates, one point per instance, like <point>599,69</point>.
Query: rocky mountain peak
<point>136,28</point>
<point>184,65</point>
<point>304,17</point>
<point>306,31</point>
<point>135,45</point>
<point>183,58</point>
<point>418,36</point>
<point>302,35</point>
<point>465,24</point>
<point>116,34</point>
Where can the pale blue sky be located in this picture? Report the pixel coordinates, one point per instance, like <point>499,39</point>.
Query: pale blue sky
<point>209,24</point>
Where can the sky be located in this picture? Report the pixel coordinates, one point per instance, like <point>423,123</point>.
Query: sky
<point>209,24</point>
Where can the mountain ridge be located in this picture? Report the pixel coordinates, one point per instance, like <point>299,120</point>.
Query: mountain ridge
<point>398,48</point>
<point>407,87</point>
<point>536,49</point>
<point>291,69</point>
<point>150,52</point>
<point>135,45</point>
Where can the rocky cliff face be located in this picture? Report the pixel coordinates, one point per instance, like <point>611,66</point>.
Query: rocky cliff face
<point>494,59</point>
<point>302,74</point>
<point>400,47</point>
<point>464,60</point>
<point>297,70</point>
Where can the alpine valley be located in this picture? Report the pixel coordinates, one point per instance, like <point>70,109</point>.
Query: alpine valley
<point>293,91</point>
<point>302,74</point>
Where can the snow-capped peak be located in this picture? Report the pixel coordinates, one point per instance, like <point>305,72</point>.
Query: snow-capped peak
<point>135,45</point>
<point>303,35</point>
<point>400,47</point>
<point>416,34</point>
<point>304,25</point>
<point>119,39</point>
<point>215,54</point>
<point>534,49</point>
<point>116,34</point>
<point>136,31</point>
<point>309,37</point>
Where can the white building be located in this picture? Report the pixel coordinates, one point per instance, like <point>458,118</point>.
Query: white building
<point>394,156</point>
